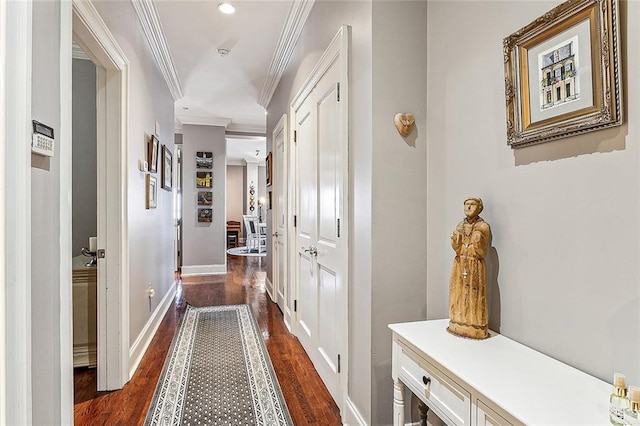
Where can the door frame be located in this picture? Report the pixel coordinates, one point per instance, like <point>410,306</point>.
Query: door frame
<point>15,191</point>
<point>112,81</point>
<point>339,49</point>
<point>283,164</point>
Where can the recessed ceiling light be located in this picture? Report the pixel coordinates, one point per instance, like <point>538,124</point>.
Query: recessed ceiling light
<point>226,8</point>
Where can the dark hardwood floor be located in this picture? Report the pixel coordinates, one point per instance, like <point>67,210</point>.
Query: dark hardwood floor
<point>308,400</point>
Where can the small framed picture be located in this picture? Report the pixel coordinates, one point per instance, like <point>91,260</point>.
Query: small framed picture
<point>269,168</point>
<point>205,198</point>
<point>204,180</point>
<point>204,160</point>
<point>562,74</point>
<point>151,192</point>
<point>152,154</point>
<point>204,215</point>
<point>167,168</point>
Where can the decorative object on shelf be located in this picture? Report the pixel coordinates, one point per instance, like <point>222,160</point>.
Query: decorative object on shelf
<point>203,179</point>
<point>151,192</point>
<point>468,309</point>
<point>404,123</point>
<point>167,168</point>
<point>205,215</point>
<point>562,75</point>
<point>204,160</point>
<point>205,198</point>
<point>91,251</point>
<point>269,168</point>
<point>152,154</point>
<point>252,198</point>
<point>618,401</point>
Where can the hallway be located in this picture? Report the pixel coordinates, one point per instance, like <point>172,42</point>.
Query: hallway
<point>307,398</point>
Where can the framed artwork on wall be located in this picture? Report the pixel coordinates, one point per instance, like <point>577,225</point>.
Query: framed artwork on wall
<point>205,198</point>
<point>204,160</point>
<point>269,168</point>
<point>151,192</point>
<point>152,154</point>
<point>562,74</point>
<point>167,168</point>
<point>204,180</point>
<point>205,215</point>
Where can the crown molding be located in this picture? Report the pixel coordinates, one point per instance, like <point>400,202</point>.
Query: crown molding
<point>293,26</point>
<point>152,29</point>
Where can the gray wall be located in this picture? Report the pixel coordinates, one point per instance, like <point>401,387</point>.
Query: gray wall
<point>563,214</point>
<point>399,253</point>
<point>151,260</point>
<point>203,243</point>
<point>150,232</point>
<point>323,23</point>
<point>84,154</point>
<point>45,219</point>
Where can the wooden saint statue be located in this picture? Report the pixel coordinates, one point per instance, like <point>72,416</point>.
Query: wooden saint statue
<point>468,310</point>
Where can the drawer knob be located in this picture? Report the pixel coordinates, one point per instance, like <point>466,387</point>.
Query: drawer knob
<point>426,380</point>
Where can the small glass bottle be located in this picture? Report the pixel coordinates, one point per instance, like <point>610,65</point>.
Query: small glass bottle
<point>632,413</point>
<point>618,401</point>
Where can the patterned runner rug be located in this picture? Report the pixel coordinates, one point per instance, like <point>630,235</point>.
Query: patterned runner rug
<point>218,372</point>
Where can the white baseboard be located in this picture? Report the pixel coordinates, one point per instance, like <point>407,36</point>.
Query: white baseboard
<point>269,288</point>
<point>196,270</point>
<point>141,344</point>
<point>352,416</point>
<point>85,356</point>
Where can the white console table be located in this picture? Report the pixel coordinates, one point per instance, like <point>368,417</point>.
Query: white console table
<point>495,381</point>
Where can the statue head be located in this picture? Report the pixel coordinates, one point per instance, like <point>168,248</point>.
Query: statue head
<point>473,206</point>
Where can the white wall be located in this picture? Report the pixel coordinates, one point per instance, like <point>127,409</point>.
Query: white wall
<point>150,231</point>
<point>564,269</point>
<point>203,244</point>
<point>84,154</point>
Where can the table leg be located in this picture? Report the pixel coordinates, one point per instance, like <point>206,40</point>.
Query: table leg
<point>398,403</point>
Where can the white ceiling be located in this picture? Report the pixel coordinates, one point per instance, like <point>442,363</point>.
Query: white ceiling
<point>241,150</point>
<point>232,90</point>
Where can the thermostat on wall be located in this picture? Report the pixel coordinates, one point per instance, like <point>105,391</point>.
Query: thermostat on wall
<point>42,142</point>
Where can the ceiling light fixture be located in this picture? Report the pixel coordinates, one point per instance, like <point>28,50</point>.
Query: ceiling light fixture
<point>223,52</point>
<point>226,8</point>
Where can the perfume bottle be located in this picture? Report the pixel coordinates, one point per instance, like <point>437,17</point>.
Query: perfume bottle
<point>632,412</point>
<point>618,401</point>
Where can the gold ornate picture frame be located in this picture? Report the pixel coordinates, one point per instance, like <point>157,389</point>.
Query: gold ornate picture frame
<point>562,73</point>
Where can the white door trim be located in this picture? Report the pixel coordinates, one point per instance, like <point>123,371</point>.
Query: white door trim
<point>338,50</point>
<point>65,217</point>
<point>15,229</point>
<point>112,75</point>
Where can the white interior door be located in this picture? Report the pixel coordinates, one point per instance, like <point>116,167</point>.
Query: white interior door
<point>321,145</point>
<point>279,219</point>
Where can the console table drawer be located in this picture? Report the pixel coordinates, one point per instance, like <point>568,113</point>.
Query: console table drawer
<point>448,399</point>
<point>488,417</point>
